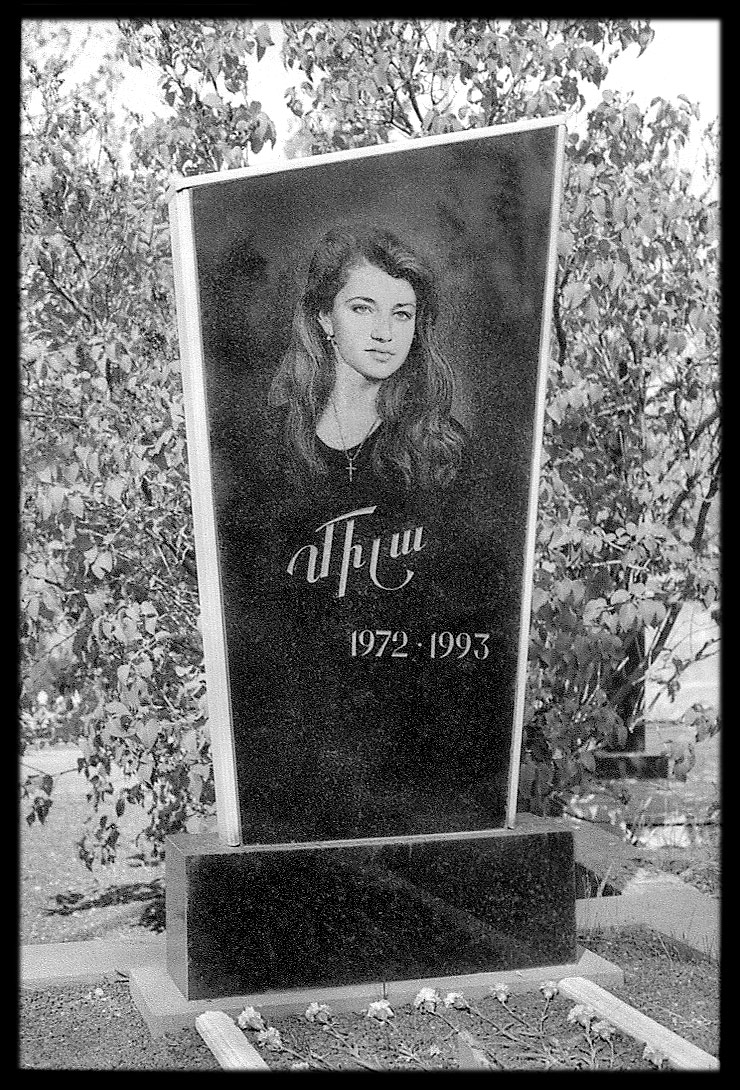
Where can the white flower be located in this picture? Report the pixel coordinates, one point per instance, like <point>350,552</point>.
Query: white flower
<point>381,1010</point>
<point>653,1055</point>
<point>582,1014</point>
<point>456,1000</point>
<point>270,1039</point>
<point>603,1029</point>
<point>250,1019</point>
<point>501,991</point>
<point>300,1065</point>
<point>319,1012</point>
<point>42,698</point>
<point>427,1000</point>
<point>549,989</point>
<point>76,699</point>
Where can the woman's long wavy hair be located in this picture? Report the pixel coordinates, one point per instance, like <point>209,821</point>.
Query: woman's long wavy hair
<point>420,440</point>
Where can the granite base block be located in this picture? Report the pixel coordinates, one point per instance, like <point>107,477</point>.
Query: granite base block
<point>639,766</point>
<point>263,917</point>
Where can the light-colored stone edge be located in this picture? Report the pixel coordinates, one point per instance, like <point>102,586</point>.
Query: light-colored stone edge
<point>678,913</point>
<point>228,1043</point>
<point>46,964</point>
<point>680,1053</point>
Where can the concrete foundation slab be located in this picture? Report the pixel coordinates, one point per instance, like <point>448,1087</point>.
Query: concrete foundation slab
<point>165,1010</point>
<point>674,909</point>
<point>44,964</point>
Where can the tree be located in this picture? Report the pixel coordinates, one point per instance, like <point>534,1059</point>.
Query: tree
<point>627,524</point>
<point>628,500</point>
<point>627,520</point>
<point>108,592</point>
<point>366,80</point>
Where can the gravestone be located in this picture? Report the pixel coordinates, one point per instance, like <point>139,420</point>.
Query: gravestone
<point>365,605</point>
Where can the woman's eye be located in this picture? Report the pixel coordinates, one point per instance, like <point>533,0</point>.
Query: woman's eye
<point>361,308</point>
<point>405,314</point>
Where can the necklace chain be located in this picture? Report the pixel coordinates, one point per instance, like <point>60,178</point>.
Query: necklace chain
<point>352,458</point>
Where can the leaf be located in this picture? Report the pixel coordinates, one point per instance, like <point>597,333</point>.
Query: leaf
<point>648,226</point>
<point>46,176</point>
<point>76,505</point>
<point>566,242</point>
<point>575,292</point>
<point>627,615</point>
<point>96,601</point>
<point>117,708</point>
<point>264,38</point>
<point>103,563</point>
<point>470,1056</point>
<point>618,274</point>
<point>539,599</point>
<point>651,611</point>
<point>212,99</point>
<point>588,761</point>
<point>115,488</point>
<point>593,609</point>
<point>57,496</point>
<point>148,733</point>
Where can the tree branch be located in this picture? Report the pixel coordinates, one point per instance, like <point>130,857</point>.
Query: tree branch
<point>60,291</point>
<point>639,673</point>
<point>559,331</point>
<point>406,80</point>
<point>682,497</point>
<point>701,520</point>
<point>702,427</point>
<point>402,123</point>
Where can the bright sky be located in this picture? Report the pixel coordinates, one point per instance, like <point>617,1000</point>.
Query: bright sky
<point>683,58</point>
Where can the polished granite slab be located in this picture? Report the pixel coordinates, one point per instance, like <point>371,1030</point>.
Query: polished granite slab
<point>262,917</point>
<point>371,613</point>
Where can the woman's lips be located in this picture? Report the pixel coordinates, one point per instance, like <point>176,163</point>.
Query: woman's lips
<point>384,352</point>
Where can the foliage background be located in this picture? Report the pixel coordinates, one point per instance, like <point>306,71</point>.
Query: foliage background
<point>111,653</point>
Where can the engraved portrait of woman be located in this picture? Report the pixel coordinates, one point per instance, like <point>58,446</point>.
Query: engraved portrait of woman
<point>364,375</point>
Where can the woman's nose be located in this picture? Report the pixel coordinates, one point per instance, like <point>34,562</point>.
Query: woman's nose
<point>381,330</point>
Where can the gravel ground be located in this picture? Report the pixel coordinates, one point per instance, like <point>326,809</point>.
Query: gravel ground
<point>666,980</point>
<point>89,1027</point>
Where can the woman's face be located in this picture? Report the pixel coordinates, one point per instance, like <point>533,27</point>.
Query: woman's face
<point>372,321</point>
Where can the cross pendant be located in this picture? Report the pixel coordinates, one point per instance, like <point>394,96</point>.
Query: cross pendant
<point>350,470</point>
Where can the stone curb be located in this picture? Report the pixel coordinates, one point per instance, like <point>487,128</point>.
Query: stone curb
<point>670,907</point>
